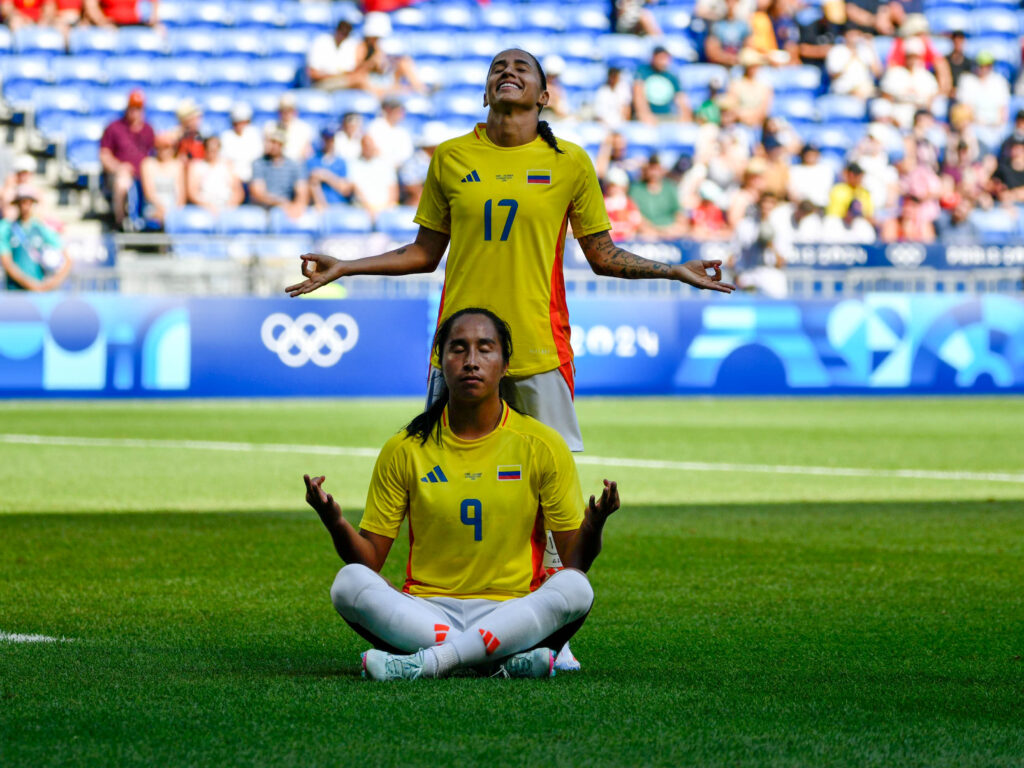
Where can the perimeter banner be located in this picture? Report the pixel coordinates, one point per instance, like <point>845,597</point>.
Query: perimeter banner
<point>105,345</point>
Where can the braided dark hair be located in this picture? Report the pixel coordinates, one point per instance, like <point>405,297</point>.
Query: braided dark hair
<point>543,128</point>
<point>429,421</point>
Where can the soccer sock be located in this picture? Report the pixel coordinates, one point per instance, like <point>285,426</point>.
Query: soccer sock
<point>521,623</point>
<point>362,597</point>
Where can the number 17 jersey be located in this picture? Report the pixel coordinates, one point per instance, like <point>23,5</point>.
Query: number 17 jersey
<point>507,210</point>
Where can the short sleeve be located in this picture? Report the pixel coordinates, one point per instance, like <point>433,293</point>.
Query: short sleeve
<point>5,238</point>
<point>433,211</point>
<point>588,214</point>
<point>50,236</point>
<point>387,500</point>
<point>321,54</point>
<point>107,139</point>
<point>561,500</point>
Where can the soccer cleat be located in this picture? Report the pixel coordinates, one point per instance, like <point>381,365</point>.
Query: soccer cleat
<point>540,662</point>
<point>565,661</point>
<point>379,665</point>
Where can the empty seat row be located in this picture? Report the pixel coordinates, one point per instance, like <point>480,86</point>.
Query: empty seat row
<point>253,220</point>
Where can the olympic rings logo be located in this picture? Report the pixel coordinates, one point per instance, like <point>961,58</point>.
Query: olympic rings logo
<point>309,338</point>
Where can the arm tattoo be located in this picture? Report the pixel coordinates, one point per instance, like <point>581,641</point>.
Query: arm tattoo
<point>606,258</point>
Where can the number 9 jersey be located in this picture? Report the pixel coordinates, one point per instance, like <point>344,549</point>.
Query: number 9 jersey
<point>472,506</point>
<point>507,211</point>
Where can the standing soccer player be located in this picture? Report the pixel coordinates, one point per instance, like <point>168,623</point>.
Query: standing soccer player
<point>504,197</point>
<point>470,474</point>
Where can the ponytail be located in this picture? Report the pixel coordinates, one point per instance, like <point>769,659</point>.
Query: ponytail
<point>544,131</point>
<point>429,421</point>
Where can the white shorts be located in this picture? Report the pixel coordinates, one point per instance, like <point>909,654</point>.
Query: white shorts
<point>544,396</point>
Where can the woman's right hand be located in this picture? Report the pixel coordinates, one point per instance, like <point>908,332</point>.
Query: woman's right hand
<point>319,269</point>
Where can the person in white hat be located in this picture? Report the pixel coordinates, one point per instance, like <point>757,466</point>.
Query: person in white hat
<point>242,144</point>
<point>380,68</point>
<point>188,143</point>
<point>31,254</point>
<point>21,176</point>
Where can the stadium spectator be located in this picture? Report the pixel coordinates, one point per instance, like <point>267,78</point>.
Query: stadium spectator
<point>727,36</point>
<point>613,152</point>
<point>853,66</point>
<point>298,133</point>
<point>348,142</point>
<point>842,195</point>
<point>558,99</point>
<point>868,16</point>
<point>806,223</point>
<point>277,180</point>
<point>392,138</point>
<point>657,94</point>
<point>657,199</point>
<point>915,28</point>
<point>328,182</point>
<point>31,253</point>
<point>709,113</point>
<point>123,146</point>
<point>774,33</point>
<point>472,424</point>
<point>331,62</point>
<point>911,87</point>
<point>958,229</point>
<point>882,113</point>
<point>413,174</point>
<point>188,142</point>
<point>881,180</point>
<point>817,37</point>
<point>958,61</point>
<point>613,102</point>
<point>987,94</point>
<point>20,177</point>
<point>853,228</point>
<point>707,221</point>
<point>759,263</point>
<point>374,179</point>
<point>383,73</point>
<point>752,96</point>
<point>744,200</point>
<point>1016,135</point>
<point>777,163</point>
<point>242,144</point>
<point>212,180</point>
<point>1008,180</point>
<point>626,219</point>
<point>811,179</point>
<point>60,14</point>
<point>913,224</point>
<point>965,176</point>
<point>631,17</point>
<point>120,13</point>
<point>163,182</point>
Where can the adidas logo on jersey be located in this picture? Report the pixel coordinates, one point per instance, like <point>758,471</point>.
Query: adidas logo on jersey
<point>471,176</point>
<point>434,476</point>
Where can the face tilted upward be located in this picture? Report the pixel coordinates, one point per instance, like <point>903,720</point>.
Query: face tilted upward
<point>514,80</point>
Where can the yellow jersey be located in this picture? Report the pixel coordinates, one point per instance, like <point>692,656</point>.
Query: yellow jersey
<point>473,506</point>
<point>507,210</point>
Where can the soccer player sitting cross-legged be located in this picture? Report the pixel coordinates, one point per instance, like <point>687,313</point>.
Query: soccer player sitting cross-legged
<point>479,483</point>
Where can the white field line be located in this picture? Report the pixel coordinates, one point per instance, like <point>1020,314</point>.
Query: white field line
<point>13,637</point>
<point>601,461</point>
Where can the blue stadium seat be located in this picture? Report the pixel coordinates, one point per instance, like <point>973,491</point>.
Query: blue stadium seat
<point>256,15</point>
<point>217,100</point>
<point>345,220</point>
<point>994,226</point>
<point>314,105</point>
<point>475,46</point>
<point>6,40</point>
<point>586,18</point>
<point>586,77</point>
<point>235,71</point>
<point>127,72</point>
<point>55,107</point>
<point>308,17</point>
<point>540,44</point>
<point>450,18</point>
<point>276,72</point>
<point>680,138</point>
<point>418,107</point>
<point>82,70</point>
<point>948,18</point>
<point>398,222</point>
<point>673,19</point>
<point>240,42</point>
<point>279,43</point>
<point>409,19</point>
<point>349,10</point>
<point>263,100</point>
<point>642,139</point>
<point>1003,49</point>
<point>187,71</point>
<point>471,74</point>
<point>699,76</point>
<point>190,220</point>
<point>458,105</point>
<point>366,104</point>
<point>795,109</point>
<point>802,79</point>
<point>83,155</point>
<point>23,74</point>
<point>498,18</point>
<point>283,224</point>
<point>215,123</point>
<point>628,51</point>
<point>92,40</point>
<point>431,47</point>
<point>140,41</point>
<point>165,99</point>
<point>243,220</point>
<point>537,17</point>
<point>578,48</point>
<point>995,21</point>
<point>192,42</point>
<point>29,40</point>
<point>834,108</point>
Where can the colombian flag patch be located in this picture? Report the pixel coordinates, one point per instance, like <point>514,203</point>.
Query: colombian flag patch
<point>512,472</point>
<point>538,177</point>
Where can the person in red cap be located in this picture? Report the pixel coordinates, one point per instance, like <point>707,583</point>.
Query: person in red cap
<point>126,142</point>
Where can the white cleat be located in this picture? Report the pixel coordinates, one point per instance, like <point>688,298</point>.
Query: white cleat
<point>540,662</point>
<point>380,665</point>
<point>565,661</point>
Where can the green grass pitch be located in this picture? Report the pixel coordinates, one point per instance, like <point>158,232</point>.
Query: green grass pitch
<point>745,616</point>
